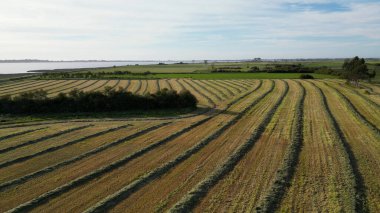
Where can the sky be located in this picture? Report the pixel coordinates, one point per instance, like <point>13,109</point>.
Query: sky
<point>188,29</point>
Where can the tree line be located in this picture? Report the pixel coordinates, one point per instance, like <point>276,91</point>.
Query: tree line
<point>108,100</point>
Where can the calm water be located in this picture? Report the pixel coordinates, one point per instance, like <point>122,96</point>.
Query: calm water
<point>12,68</point>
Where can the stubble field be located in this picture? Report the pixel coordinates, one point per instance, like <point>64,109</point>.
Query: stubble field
<point>261,145</point>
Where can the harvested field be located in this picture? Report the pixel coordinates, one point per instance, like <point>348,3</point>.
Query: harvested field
<point>262,145</point>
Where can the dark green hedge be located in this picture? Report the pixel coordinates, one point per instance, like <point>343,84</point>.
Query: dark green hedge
<point>104,101</point>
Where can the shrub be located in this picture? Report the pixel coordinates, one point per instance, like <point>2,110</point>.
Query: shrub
<point>306,76</point>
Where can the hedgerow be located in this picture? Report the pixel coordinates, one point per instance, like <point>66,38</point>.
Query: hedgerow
<point>105,101</point>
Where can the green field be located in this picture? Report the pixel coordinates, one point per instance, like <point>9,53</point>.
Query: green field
<point>219,76</point>
<point>203,70</point>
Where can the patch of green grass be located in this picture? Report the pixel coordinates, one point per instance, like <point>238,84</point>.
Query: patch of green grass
<point>219,76</point>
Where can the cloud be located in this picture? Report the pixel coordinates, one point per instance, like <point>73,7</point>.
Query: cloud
<point>184,29</point>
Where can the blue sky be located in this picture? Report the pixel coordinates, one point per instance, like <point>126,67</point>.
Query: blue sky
<point>185,29</point>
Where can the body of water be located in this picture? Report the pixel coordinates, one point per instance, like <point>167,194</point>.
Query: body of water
<point>14,68</point>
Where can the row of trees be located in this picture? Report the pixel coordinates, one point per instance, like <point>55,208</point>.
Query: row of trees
<point>49,75</point>
<point>101,101</point>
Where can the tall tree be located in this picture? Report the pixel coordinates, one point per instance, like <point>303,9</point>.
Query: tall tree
<point>355,69</point>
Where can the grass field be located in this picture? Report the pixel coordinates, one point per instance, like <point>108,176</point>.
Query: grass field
<point>266,145</point>
<point>209,76</point>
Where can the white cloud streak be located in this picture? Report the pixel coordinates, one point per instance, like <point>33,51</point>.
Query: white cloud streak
<point>184,29</point>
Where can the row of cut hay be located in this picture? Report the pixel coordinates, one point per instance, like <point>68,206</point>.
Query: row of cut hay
<point>170,87</point>
<point>101,86</point>
<point>16,84</point>
<point>68,86</point>
<point>158,85</point>
<point>239,85</point>
<point>48,169</point>
<point>355,111</point>
<point>81,87</point>
<point>20,133</point>
<point>26,86</point>
<point>206,90</point>
<point>215,87</point>
<point>246,83</point>
<point>58,147</point>
<point>368,100</point>
<point>36,86</point>
<point>286,172</point>
<point>226,87</point>
<point>238,89</point>
<point>107,179</point>
<point>131,157</point>
<point>352,168</point>
<point>208,99</point>
<point>7,84</point>
<point>74,183</point>
<point>126,191</point>
<point>180,84</point>
<point>58,86</point>
<point>138,87</point>
<point>188,202</point>
<point>144,87</point>
<point>124,84</point>
<point>363,103</point>
<point>46,137</point>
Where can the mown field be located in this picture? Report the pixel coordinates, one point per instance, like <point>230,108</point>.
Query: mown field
<point>264,145</point>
